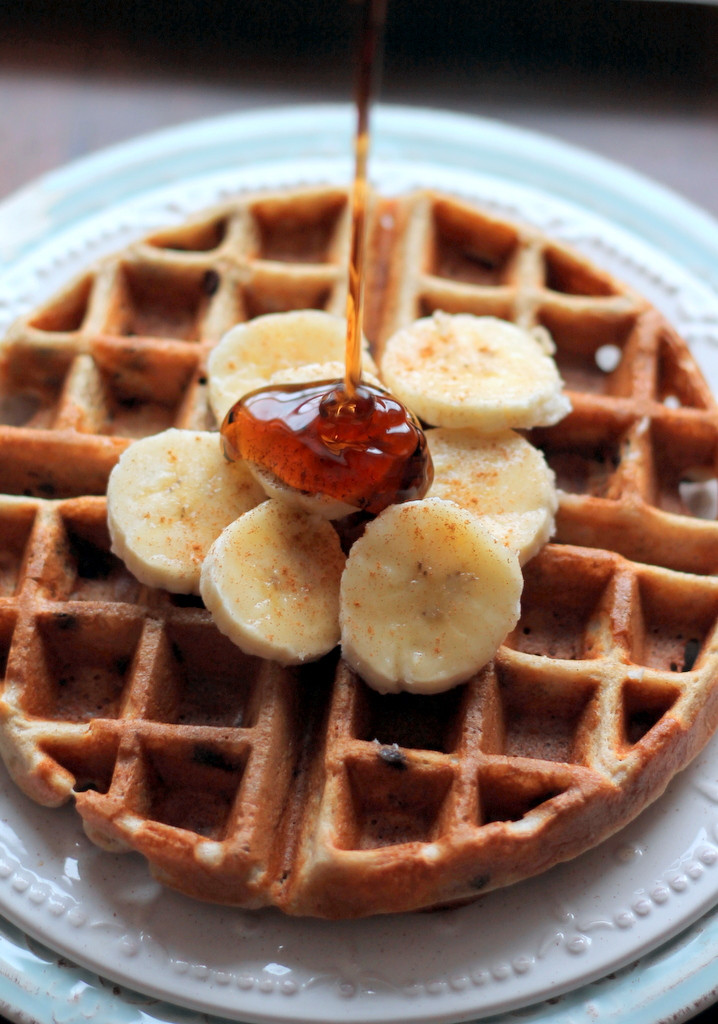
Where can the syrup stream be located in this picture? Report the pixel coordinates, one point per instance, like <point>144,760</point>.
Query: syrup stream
<point>373,18</point>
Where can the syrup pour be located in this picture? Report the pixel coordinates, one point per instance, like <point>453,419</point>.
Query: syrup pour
<point>367,450</point>
<point>348,440</point>
<point>372,31</point>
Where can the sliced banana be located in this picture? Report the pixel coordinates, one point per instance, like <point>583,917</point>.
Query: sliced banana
<point>501,477</point>
<point>479,372</point>
<point>314,504</point>
<point>427,596</point>
<point>271,583</point>
<point>250,354</point>
<point>169,496</point>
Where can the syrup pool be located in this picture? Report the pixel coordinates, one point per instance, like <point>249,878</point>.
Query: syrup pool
<point>365,449</point>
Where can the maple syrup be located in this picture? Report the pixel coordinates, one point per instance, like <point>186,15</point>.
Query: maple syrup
<point>345,439</point>
<point>367,450</point>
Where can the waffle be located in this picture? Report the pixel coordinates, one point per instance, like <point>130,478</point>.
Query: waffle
<point>248,784</point>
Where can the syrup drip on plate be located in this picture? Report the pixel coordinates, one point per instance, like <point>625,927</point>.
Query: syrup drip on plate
<point>345,439</point>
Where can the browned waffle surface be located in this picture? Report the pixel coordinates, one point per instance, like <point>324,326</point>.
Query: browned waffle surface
<point>245,783</point>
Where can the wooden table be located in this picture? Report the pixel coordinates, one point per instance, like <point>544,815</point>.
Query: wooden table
<point>633,81</point>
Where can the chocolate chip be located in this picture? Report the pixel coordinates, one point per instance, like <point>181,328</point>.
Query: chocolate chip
<point>691,652</point>
<point>393,756</point>
<point>212,758</point>
<point>480,882</point>
<point>210,282</point>
<point>63,620</point>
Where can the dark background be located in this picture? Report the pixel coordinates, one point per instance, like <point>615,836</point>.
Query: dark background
<point>632,80</point>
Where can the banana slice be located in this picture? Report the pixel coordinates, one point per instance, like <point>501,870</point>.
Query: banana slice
<point>503,478</point>
<point>271,583</point>
<point>169,496</point>
<point>250,354</point>
<point>310,372</point>
<point>313,504</point>
<point>479,372</point>
<point>427,597</point>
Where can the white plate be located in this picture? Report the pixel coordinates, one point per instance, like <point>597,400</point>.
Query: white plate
<point>511,949</point>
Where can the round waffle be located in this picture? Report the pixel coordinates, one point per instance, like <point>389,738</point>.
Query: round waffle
<point>249,784</point>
